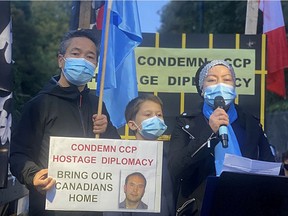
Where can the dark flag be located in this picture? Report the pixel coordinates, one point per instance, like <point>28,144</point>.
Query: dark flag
<point>98,13</point>
<point>74,19</point>
<point>97,10</point>
<point>5,89</point>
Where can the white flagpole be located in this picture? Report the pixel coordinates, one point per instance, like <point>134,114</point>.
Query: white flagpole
<point>251,17</point>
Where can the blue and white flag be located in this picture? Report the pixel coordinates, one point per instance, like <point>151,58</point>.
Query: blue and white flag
<point>124,36</point>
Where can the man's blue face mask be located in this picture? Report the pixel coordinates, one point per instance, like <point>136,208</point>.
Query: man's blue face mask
<point>152,128</point>
<point>78,71</point>
<point>221,89</point>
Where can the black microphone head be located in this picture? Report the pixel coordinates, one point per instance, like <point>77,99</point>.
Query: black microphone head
<point>219,102</point>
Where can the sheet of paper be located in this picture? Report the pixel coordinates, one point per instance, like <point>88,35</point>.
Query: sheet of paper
<point>234,163</point>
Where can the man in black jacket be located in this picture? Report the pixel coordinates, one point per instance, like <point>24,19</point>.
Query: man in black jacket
<point>64,108</point>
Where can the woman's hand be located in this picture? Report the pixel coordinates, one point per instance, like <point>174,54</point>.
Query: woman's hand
<point>218,117</point>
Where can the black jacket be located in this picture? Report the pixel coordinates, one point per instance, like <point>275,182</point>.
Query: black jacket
<point>191,160</point>
<point>55,111</point>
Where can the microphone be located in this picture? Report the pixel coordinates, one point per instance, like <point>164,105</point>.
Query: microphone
<point>223,131</point>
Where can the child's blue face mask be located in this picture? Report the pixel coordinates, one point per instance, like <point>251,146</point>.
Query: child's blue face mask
<point>152,128</point>
<point>78,71</point>
<point>221,89</point>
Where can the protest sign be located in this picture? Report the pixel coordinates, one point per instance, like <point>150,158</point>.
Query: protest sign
<point>90,173</point>
<point>173,70</point>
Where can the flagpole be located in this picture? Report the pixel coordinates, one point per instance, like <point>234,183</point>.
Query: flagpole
<point>84,14</point>
<point>104,60</point>
<point>251,17</point>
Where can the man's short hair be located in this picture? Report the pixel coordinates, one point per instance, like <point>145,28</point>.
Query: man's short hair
<point>88,33</point>
<point>136,174</point>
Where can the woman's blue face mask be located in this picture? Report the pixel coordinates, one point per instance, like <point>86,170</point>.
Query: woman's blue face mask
<point>221,89</point>
<point>78,71</point>
<point>152,128</point>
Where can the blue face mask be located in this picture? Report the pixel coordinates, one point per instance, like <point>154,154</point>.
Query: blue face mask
<point>152,128</point>
<point>221,89</point>
<point>78,71</point>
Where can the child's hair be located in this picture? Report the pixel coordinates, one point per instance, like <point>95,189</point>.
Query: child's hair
<point>133,106</point>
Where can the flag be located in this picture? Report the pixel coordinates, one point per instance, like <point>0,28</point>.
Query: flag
<point>120,77</point>
<point>277,48</point>
<point>96,14</point>
<point>5,89</point>
<point>74,17</point>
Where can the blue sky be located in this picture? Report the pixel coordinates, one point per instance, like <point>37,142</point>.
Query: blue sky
<point>149,19</point>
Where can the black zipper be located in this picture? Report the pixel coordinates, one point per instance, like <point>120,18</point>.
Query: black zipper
<point>81,115</point>
<point>190,135</point>
<point>183,206</point>
<point>204,144</point>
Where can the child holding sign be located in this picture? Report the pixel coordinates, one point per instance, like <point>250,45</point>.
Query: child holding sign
<point>144,116</point>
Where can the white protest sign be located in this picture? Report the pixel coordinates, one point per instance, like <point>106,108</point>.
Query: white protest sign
<point>90,173</point>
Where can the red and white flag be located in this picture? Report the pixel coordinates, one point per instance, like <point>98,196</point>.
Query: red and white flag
<point>277,48</point>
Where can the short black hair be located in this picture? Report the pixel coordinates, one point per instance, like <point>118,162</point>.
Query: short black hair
<point>133,106</point>
<point>88,33</point>
<point>136,174</point>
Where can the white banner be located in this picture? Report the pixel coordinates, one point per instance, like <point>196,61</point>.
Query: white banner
<point>90,173</point>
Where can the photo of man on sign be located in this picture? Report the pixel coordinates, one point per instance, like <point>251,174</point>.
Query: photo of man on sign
<point>134,189</point>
